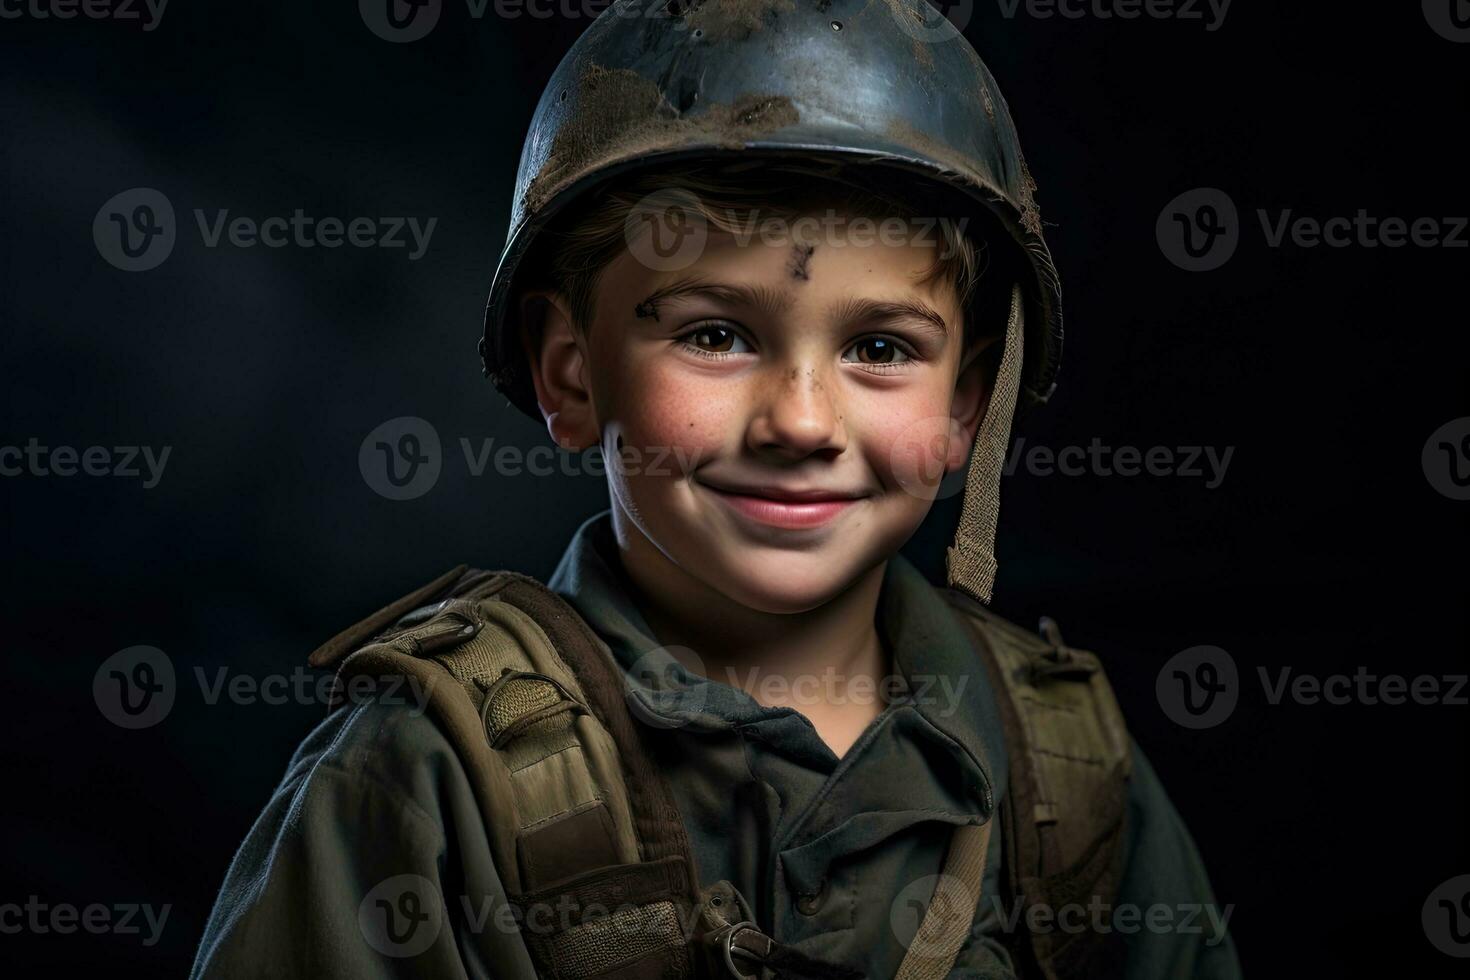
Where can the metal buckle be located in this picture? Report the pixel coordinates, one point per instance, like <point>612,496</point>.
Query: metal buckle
<point>726,939</point>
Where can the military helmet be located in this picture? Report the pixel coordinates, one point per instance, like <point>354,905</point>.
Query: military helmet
<point>887,87</point>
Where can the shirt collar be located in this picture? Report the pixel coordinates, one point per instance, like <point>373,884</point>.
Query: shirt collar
<point>947,681</point>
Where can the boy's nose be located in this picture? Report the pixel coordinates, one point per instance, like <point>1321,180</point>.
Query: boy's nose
<point>798,414</point>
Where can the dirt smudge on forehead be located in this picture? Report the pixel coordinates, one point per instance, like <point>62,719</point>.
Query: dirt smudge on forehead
<point>801,255</point>
<point>619,114</point>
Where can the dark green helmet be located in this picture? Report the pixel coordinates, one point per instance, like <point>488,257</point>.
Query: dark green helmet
<point>886,85</point>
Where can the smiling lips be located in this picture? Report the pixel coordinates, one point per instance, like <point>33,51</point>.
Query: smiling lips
<point>779,507</point>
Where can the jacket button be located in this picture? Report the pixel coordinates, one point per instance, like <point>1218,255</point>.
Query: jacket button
<point>810,904</point>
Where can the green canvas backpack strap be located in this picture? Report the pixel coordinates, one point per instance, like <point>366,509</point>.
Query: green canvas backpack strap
<point>663,924</point>
<point>1063,816</point>
<point>580,818</point>
<point>548,776</point>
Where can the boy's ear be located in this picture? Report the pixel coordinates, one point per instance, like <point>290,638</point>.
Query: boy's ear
<point>558,364</point>
<point>971,399</point>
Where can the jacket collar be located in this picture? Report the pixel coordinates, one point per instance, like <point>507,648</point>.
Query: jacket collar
<point>946,679</point>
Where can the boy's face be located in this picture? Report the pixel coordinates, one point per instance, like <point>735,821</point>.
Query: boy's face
<point>775,422</point>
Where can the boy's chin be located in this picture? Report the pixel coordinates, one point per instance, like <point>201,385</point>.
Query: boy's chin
<point>785,586</point>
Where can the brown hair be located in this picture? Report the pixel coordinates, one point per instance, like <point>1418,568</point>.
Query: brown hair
<point>574,249</point>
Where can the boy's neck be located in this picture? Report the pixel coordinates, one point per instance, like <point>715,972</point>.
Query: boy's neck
<point>799,660</point>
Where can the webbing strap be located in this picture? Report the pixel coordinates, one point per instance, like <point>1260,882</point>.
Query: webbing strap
<point>1065,806</point>
<point>970,561</point>
<point>951,911</point>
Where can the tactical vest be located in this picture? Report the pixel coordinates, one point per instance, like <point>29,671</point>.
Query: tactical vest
<point>582,821</point>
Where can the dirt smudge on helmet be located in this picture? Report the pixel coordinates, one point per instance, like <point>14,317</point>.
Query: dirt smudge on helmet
<point>1025,193</point>
<point>901,10</point>
<point>619,114</point>
<point>731,20</point>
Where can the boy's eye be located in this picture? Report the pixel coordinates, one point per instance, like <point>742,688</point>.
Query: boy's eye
<point>712,338</point>
<point>877,350</point>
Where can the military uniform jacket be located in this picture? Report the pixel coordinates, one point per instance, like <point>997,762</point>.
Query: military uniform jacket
<point>371,858</point>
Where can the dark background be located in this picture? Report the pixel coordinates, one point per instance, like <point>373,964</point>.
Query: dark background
<point>1327,369</point>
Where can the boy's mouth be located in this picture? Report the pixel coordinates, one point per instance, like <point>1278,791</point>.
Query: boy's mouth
<point>785,507</point>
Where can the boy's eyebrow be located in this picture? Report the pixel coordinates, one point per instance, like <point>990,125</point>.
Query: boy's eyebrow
<point>771,302</point>
<point>887,311</point>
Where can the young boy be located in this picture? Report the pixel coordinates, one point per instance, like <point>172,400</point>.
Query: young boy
<point>780,262</point>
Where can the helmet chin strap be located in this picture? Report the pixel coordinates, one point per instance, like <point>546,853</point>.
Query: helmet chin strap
<point>970,561</point>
